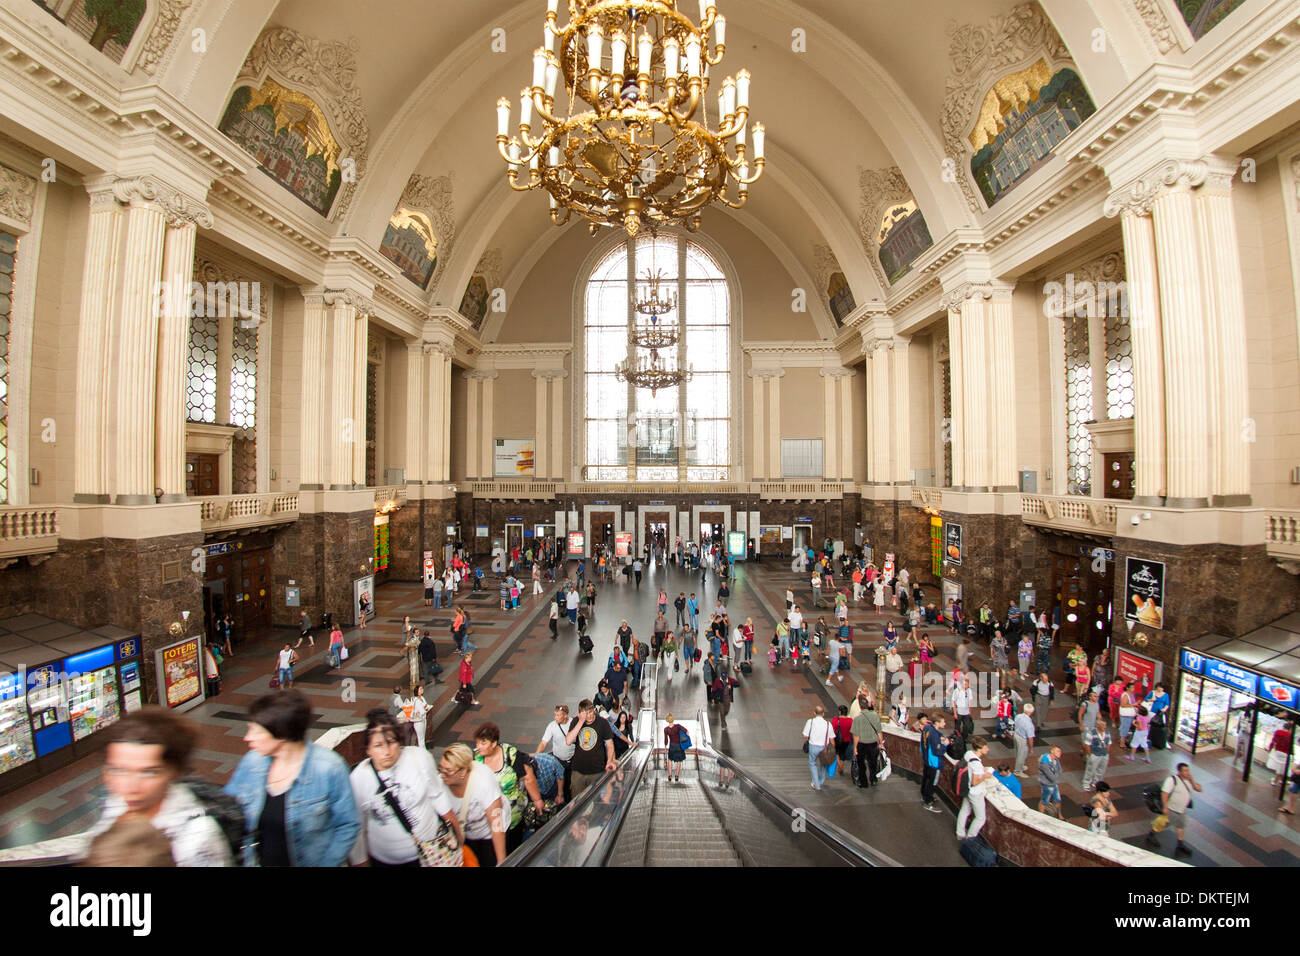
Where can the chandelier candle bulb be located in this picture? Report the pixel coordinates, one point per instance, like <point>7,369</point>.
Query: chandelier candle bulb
<point>618,51</point>
<point>693,56</point>
<point>553,160</point>
<point>548,38</point>
<point>729,97</point>
<point>514,151</point>
<point>741,137</point>
<point>742,90</point>
<point>595,46</point>
<point>539,67</point>
<point>704,9</point>
<point>760,134</point>
<point>552,6</point>
<point>525,110</point>
<point>552,77</point>
<point>503,117</point>
<point>720,30</point>
<point>671,50</point>
<point>645,47</point>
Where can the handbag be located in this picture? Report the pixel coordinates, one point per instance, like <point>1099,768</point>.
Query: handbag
<point>343,653</point>
<point>442,850</point>
<point>677,663</point>
<point>275,682</point>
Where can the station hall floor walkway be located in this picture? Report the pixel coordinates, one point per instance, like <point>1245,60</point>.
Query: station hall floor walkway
<point>521,674</point>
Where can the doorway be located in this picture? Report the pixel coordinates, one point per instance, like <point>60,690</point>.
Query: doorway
<point>514,538</point>
<point>713,527</point>
<point>802,537</point>
<point>255,579</point>
<point>1082,601</point>
<point>602,530</point>
<point>656,533</point>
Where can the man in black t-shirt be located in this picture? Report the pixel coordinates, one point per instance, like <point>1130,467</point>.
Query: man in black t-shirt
<point>625,636</point>
<point>593,742</point>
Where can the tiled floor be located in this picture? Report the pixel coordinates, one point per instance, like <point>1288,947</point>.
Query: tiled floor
<point>522,674</point>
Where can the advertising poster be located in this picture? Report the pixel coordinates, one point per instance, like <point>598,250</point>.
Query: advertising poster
<point>952,540</point>
<point>623,544</point>
<point>1135,667</point>
<point>181,672</point>
<point>363,591</point>
<point>1144,592</point>
<point>736,544</point>
<point>787,531</point>
<point>577,544</point>
<point>769,535</point>
<point>514,457</point>
<point>430,569</point>
<point>888,569</point>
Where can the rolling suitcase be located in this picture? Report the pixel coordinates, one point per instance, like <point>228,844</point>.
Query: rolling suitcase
<point>978,853</point>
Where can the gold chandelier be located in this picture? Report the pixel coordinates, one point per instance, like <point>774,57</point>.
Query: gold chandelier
<point>650,302</point>
<point>634,144</point>
<point>650,372</point>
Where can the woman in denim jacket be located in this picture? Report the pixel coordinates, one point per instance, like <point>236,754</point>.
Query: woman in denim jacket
<point>296,796</point>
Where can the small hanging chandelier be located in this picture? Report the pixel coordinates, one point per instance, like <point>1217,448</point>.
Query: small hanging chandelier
<point>651,302</point>
<point>634,144</point>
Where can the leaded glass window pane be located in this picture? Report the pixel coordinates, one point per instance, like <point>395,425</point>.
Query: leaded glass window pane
<point>1078,407</point>
<point>201,380</point>
<point>8,246</point>
<point>1119,367</point>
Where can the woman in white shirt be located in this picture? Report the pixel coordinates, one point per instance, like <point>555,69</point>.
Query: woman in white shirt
<point>476,795</point>
<point>419,714</point>
<point>395,784</point>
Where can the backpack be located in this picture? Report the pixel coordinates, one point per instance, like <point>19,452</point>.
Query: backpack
<point>684,738</point>
<point>956,747</point>
<point>1151,794</point>
<point>224,810</point>
<point>960,781</point>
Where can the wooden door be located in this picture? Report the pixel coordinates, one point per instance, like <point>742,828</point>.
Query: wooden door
<point>1085,595</point>
<point>202,475</point>
<point>602,529</point>
<point>1119,478</point>
<point>255,582</point>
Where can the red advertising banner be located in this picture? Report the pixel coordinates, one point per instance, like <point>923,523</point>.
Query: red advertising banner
<point>1131,667</point>
<point>181,672</point>
<point>623,544</point>
<point>577,544</point>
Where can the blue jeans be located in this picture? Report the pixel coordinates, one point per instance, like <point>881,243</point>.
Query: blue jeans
<point>818,771</point>
<point>749,650</point>
<point>286,675</point>
<point>785,645</point>
<point>437,597</point>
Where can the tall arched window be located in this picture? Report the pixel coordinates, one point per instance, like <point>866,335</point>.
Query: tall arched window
<point>674,434</point>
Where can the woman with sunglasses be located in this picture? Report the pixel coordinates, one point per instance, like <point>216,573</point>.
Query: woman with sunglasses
<point>476,797</point>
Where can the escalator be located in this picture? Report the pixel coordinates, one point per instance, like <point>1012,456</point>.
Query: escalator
<point>716,815</point>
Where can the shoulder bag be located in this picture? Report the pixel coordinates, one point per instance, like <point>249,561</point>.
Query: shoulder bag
<point>442,850</point>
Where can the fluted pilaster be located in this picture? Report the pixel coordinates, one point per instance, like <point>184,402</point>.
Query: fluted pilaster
<point>173,336</point>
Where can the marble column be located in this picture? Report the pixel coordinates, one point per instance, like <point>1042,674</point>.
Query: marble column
<point>135,375</point>
<point>1146,329</point>
<point>312,428</point>
<point>173,340</point>
<point>1000,361</point>
<point>975,394</point>
<point>900,408</point>
<point>438,420</point>
<point>831,444</point>
<point>846,431</point>
<point>360,394</point>
<point>1186,368</point>
<point>343,428</point>
<point>473,402</point>
<point>541,460</point>
<point>94,333</point>
<point>880,423</point>
<point>415,412</point>
<point>956,426</point>
<point>559,413</point>
<point>1226,333</point>
<point>775,467</point>
<point>760,424</point>
<point>447,370</point>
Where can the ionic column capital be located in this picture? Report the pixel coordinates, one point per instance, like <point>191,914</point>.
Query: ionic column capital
<point>180,209</point>
<point>438,348</point>
<point>836,372</point>
<point>766,373</point>
<point>549,374</point>
<point>1139,196</point>
<point>480,375</point>
<point>346,297</point>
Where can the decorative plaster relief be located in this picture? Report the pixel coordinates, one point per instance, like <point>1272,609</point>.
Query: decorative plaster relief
<point>979,57</point>
<point>426,205</point>
<point>1157,24</point>
<point>327,71</point>
<point>160,37</point>
<point>179,208</point>
<point>17,195</point>
<point>1139,196</point>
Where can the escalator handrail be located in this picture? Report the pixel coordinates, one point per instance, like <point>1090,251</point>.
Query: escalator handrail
<point>558,824</point>
<point>604,845</point>
<point>840,840</point>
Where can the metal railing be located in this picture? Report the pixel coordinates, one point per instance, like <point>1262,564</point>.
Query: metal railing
<point>813,489</point>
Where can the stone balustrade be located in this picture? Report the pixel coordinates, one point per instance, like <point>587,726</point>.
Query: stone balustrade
<point>1096,515</point>
<point>228,512</point>
<point>1282,534</point>
<point>28,530</point>
<point>803,490</point>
